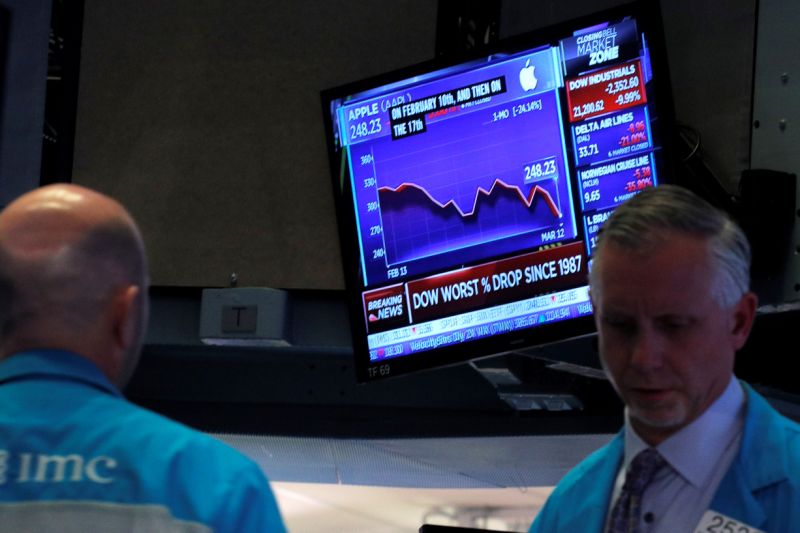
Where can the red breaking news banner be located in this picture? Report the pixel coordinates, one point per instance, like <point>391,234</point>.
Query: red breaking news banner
<point>497,283</point>
<point>385,308</point>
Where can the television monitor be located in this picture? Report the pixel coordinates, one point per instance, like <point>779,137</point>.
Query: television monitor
<point>4,17</point>
<point>470,190</point>
<point>23,80</point>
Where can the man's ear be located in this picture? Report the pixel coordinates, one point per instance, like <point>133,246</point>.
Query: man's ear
<point>125,316</point>
<point>744,313</point>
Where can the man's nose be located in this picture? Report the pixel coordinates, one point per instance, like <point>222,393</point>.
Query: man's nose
<point>646,352</point>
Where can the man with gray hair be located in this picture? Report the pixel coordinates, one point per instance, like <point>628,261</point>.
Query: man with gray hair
<point>74,454</point>
<point>700,450</point>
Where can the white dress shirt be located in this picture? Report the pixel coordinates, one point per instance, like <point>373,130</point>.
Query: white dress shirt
<point>698,456</point>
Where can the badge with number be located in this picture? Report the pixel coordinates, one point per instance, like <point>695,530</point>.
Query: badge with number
<point>714,522</point>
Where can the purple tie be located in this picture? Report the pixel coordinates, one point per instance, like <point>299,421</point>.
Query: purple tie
<point>627,510</point>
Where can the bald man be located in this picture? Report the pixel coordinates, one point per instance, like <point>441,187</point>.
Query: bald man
<point>73,452</point>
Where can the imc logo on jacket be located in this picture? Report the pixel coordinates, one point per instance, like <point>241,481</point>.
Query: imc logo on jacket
<point>43,468</point>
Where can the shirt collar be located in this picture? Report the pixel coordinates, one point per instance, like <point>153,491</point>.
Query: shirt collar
<point>54,364</point>
<point>693,451</point>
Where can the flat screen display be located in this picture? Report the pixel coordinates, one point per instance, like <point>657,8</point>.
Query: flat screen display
<point>470,192</point>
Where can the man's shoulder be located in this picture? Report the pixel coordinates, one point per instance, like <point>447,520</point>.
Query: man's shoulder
<point>214,478</point>
<point>770,436</point>
<point>582,494</point>
<point>602,462</point>
<point>155,431</point>
<point>763,416</point>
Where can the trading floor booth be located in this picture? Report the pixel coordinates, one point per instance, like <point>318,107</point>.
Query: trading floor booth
<point>369,226</point>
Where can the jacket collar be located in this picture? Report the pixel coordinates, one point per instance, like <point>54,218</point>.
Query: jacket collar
<point>589,513</point>
<point>760,463</point>
<point>54,365</point>
<point>762,445</point>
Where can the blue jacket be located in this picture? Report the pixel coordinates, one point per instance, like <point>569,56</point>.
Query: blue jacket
<point>761,487</point>
<point>73,448</point>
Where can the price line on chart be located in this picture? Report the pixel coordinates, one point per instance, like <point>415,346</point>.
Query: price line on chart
<point>481,192</point>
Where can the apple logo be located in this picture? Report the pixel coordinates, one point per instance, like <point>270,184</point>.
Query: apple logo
<point>527,78</point>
